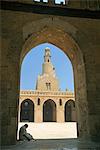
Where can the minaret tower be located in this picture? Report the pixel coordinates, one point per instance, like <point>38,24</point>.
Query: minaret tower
<point>47,67</point>
<point>48,79</point>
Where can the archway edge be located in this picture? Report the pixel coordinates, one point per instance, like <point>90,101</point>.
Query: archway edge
<point>50,21</point>
<point>49,100</point>
<point>57,32</point>
<point>27,111</point>
<point>27,99</point>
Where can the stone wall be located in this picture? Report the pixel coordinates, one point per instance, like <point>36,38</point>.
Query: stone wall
<point>77,37</point>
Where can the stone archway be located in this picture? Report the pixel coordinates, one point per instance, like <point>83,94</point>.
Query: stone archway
<point>69,111</point>
<point>27,111</point>
<point>84,35</point>
<point>70,35</point>
<point>49,111</point>
<point>59,37</point>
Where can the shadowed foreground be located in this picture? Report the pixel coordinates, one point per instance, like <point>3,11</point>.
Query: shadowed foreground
<point>65,144</point>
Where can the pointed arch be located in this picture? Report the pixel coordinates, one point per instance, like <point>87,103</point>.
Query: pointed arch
<point>69,111</point>
<point>65,36</point>
<point>49,111</point>
<point>27,111</point>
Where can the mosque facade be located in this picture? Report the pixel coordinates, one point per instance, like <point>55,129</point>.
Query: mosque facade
<point>47,103</point>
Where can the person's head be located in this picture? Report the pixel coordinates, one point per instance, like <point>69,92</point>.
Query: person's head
<point>26,125</point>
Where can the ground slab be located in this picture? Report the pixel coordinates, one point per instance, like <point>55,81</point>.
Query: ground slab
<point>61,144</point>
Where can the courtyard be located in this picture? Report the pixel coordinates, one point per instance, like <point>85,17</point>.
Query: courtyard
<point>51,130</point>
<point>53,136</point>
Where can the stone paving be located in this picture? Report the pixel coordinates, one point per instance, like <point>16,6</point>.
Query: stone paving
<point>65,144</point>
<point>51,130</point>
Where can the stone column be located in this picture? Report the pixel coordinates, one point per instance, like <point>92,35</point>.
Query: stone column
<point>10,78</point>
<point>81,100</point>
<point>93,88</point>
<point>38,114</point>
<point>60,113</point>
<point>9,98</point>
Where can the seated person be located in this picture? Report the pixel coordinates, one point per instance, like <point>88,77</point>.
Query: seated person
<point>23,135</point>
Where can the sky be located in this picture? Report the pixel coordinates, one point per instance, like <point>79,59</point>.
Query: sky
<point>32,67</point>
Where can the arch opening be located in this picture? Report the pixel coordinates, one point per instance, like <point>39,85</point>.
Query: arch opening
<point>69,111</point>
<point>68,45</point>
<point>27,111</point>
<point>49,111</point>
<point>41,68</point>
<point>47,83</point>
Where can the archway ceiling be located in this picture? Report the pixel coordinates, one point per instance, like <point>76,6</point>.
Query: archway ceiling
<point>50,30</point>
<point>54,36</point>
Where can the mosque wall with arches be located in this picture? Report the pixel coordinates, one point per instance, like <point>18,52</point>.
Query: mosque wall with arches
<point>47,106</point>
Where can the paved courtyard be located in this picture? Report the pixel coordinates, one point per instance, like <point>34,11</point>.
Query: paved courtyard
<point>61,144</point>
<point>51,130</point>
<point>57,141</point>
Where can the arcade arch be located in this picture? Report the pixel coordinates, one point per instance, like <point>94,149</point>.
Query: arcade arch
<point>69,111</point>
<point>27,111</point>
<point>49,111</point>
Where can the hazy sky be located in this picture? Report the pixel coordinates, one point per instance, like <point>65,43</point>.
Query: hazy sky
<point>32,67</point>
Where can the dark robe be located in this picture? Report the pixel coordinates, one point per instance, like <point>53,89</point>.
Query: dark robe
<point>23,135</point>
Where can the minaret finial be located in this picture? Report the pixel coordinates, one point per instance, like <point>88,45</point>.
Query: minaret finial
<point>47,55</point>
